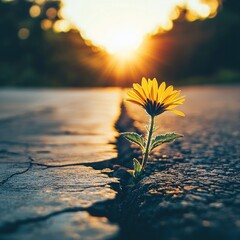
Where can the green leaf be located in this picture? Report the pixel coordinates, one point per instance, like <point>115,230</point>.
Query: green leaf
<point>134,138</point>
<point>147,128</point>
<point>163,138</point>
<point>131,172</point>
<point>137,167</point>
<point>155,128</point>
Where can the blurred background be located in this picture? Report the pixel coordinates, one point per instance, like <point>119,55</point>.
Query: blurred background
<point>114,43</point>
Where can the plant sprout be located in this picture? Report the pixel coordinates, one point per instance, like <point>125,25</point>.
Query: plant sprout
<point>155,100</point>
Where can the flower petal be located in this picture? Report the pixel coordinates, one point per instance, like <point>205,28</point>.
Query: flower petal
<point>179,100</point>
<point>134,101</point>
<point>154,90</point>
<point>134,96</point>
<point>140,96</point>
<point>171,106</point>
<point>145,87</point>
<point>171,97</point>
<point>178,112</point>
<point>161,90</point>
<point>167,92</point>
<point>150,88</point>
<point>138,88</point>
<point>154,98</point>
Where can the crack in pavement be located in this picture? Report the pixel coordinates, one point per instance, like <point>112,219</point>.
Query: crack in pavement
<point>58,166</point>
<point>11,227</point>
<point>32,162</point>
<point>98,210</point>
<point>18,173</point>
<point>95,165</point>
<point>95,210</point>
<point>105,208</point>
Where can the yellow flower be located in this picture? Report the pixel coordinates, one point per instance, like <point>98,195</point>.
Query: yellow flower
<point>155,100</point>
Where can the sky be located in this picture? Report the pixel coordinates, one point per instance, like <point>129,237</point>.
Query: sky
<point>120,26</point>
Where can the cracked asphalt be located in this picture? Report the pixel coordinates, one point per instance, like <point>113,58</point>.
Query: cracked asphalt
<point>192,190</point>
<point>48,138</point>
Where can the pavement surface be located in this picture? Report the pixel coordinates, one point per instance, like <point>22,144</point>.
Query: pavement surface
<point>47,140</point>
<point>193,187</point>
<point>50,139</point>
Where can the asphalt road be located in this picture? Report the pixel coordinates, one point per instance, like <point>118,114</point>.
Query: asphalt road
<point>193,187</point>
<point>47,140</point>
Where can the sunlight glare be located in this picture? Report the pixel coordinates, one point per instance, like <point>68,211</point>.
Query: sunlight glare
<point>122,42</point>
<point>35,11</point>
<point>121,26</point>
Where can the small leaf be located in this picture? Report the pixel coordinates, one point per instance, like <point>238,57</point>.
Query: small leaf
<point>147,128</point>
<point>160,139</point>
<point>137,168</point>
<point>134,138</point>
<point>137,165</point>
<point>131,172</point>
<point>155,128</point>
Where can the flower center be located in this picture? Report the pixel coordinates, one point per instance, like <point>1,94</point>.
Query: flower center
<point>154,108</point>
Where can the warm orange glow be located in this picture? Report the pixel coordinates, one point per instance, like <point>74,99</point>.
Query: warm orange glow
<point>46,24</point>
<point>39,2</point>
<point>51,13</point>
<point>174,14</point>
<point>123,42</point>
<point>61,26</point>
<point>35,11</point>
<point>119,32</point>
<point>23,33</point>
<point>121,26</point>
<point>125,67</point>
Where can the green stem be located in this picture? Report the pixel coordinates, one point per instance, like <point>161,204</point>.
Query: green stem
<point>149,138</point>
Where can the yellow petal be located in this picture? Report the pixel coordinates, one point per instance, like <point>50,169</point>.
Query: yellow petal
<point>154,89</point>
<point>134,96</point>
<point>134,101</point>
<point>145,87</point>
<point>140,95</point>
<point>167,92</point>
<point>178,112</point>
<point>150,88</point>
<point>167,106</point>
<point>171,97</point>
<point>171,106</point>
<point>161,90</point>
<point>179,100</point>
<point>138,88</point>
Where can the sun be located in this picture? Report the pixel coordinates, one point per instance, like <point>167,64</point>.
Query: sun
<point>121,26</point>
<point>122,42</point>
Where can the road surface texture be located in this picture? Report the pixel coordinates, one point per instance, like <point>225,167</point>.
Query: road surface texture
<point>55,146</point>
<point>47,138</point>
<point>192,190</point>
